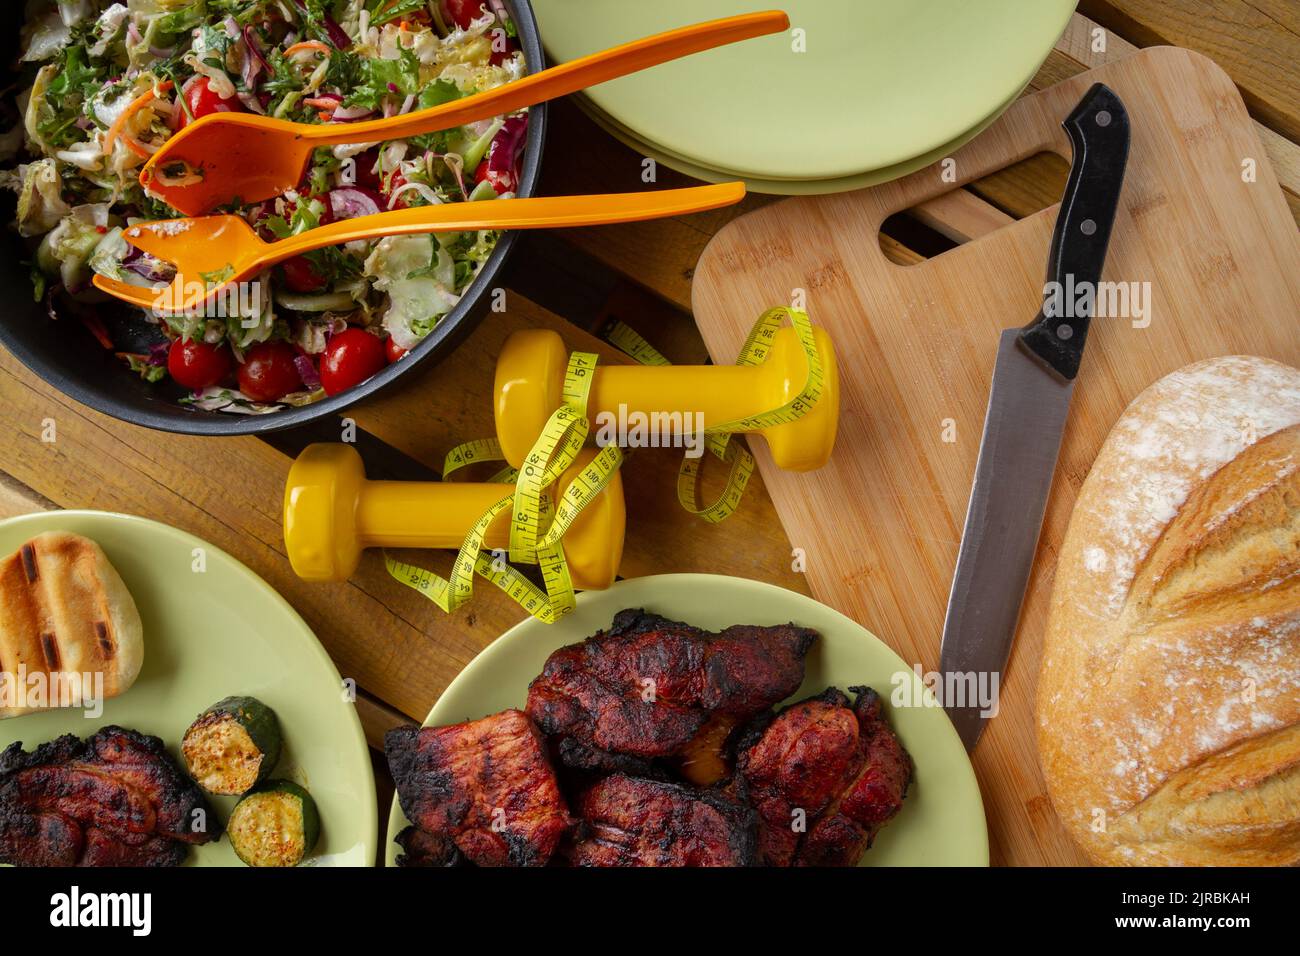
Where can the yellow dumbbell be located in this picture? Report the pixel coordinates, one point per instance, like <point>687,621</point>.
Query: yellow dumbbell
<point>332,513</point>
<point>530,385</point>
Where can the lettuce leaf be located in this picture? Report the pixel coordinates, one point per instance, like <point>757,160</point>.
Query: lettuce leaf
<point>381,78</point>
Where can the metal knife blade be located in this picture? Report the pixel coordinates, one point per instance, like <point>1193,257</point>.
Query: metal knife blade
<point>1022,437</point>
<point>1029,402</point>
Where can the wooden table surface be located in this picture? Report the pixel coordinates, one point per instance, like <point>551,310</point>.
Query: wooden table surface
<point>401,651</point>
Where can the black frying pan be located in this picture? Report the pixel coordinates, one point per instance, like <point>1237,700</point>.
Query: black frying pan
<point>68,357</point>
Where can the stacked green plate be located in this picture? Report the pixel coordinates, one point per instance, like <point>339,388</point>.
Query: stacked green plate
<point>858,92</point>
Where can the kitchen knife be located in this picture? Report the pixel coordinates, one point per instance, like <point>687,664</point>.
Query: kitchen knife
<point>1028,405</point>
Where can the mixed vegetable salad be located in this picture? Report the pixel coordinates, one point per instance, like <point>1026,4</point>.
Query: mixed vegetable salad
<point>106,83</point>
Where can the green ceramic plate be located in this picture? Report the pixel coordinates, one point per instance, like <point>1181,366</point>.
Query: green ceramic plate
<point>784,187</point>
<point>942,821</point>
<point>209,635</point>
<point>880,82</point>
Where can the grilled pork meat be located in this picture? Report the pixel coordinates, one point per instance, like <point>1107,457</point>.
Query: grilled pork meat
<point>486,786</point>
<point>647,688</point>
<point>824,776</point>
<point>627,821</point>
<point>420,848</point>
<point>114,799</point>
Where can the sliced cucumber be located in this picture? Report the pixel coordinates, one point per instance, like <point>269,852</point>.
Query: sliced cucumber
<point>275,825</point>
<point>232,746</point>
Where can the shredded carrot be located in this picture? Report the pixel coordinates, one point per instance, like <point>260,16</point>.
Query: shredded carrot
<point>324,117</point>
<point>308,45</point>
<point>142,150</point>
<point>135,106</point>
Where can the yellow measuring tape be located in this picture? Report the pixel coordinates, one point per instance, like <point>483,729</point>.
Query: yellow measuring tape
<point>757,347</point>
<point>537,528</point>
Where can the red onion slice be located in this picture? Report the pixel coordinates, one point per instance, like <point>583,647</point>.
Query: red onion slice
<point>307,372</point>
<point>251,103</point>
<point>353,203</point>
<point>347,113</point>
<point>250,38</point>
<point>338,36</point>
<point>508,145</point>
<point>147,267</point>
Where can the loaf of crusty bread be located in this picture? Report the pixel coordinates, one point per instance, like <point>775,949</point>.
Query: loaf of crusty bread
<point>64,614</point>
<point>1169,697</point>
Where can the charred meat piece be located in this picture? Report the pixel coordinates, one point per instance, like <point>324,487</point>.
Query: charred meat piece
<point>114,799</point>
<point>627,821</point>
<point>143,763</point>
<point>106,849</point>
<point>426,849</point>
<point>646,687</point>
<point>824,776</point>
<point>486,786</point>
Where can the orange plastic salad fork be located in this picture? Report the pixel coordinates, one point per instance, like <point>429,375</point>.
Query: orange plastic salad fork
<point>227,155</point>
<point>211,253</point>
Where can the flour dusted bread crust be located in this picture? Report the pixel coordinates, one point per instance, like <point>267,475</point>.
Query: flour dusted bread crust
<point>1169,698</point>
<point>64,613</point>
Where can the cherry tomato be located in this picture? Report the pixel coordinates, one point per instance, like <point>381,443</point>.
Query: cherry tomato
<point>197,365</point>
<point>370,181</point>
<point>462,12</point>
<point>301,276</point>
<point>350,358</point>
<point>396,182</point>
<point>501,182</point>
<point>203,100</point>
<point>497,57</point>
<point>393,350</point>
<point>268,373</point>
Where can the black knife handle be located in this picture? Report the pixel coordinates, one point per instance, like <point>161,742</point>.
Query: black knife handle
<point>1099,132</point>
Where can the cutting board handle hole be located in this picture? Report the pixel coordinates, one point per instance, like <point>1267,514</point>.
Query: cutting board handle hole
<point>949,219</point>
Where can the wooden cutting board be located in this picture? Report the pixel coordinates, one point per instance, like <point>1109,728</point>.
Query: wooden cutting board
<point>880,525</point>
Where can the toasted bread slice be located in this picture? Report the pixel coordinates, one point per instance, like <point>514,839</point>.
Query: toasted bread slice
<point>65,616</point>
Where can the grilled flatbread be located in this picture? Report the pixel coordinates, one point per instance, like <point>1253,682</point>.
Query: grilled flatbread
<point>67,622</point>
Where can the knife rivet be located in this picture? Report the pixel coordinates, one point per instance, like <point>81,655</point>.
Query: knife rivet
<point>1064,331</point>
<point>1087,227</point>
<point>1103,118</point>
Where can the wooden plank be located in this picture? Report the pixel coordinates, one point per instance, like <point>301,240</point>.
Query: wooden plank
<point>1079,49</point>
<point>1025,187</point>
<point>1222,260</point>
<point>17,499</point>
<point>1256,41</point>
<point>670,330</point>
<point>961,215</point>
<point>377,719</point>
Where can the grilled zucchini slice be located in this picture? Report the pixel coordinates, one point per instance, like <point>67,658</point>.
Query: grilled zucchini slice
<point>275,825</point>
<point>232,746</point>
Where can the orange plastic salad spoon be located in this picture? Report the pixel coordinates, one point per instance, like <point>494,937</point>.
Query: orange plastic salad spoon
<point>211,253</point>
<point>224,156</point>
